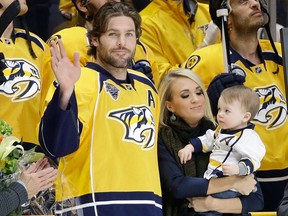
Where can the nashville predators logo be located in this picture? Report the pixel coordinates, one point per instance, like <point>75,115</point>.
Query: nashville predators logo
<point>273,107</point>
<point>22,80</point>
<point>139,125</point>
<point>192,61</point>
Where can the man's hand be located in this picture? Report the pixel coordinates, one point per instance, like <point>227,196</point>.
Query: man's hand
<point>66,72</point>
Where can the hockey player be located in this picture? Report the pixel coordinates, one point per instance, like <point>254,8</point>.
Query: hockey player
<point>174,29</point>
<point>23,73</point>
<point>103,124</point>
<point>75,39</point>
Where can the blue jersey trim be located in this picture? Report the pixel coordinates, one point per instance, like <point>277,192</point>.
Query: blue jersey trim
<point>116,203</point>
<point>145,80</point>
<point>33,39</point>
<point>272,173</point>
<point>130,78</point>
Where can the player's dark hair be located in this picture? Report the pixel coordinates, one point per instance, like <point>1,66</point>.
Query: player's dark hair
<point>106,12</point>
<point>215,5</point>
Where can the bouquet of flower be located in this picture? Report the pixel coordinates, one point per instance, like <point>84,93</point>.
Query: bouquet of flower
<point>10,155</point>
<point>12,158</point>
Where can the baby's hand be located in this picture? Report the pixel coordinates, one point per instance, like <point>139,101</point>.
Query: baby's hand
<point>185,154</point>
<point>230,169</point>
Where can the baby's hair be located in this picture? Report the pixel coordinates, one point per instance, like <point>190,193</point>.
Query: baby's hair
<point>248,98</point>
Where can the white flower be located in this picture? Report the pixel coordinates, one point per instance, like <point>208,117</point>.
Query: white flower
<point>6,146</point>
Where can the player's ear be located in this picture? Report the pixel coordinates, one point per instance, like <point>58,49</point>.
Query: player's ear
<point>95,41</point>
<point>81,6</point>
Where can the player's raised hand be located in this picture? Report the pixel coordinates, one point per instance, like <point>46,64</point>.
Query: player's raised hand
<point>66,72</point>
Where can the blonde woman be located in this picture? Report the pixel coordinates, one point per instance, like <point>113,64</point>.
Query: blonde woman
<point>185,113</point>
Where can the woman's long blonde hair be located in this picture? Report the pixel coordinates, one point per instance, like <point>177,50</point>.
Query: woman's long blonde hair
<point>165,93</point>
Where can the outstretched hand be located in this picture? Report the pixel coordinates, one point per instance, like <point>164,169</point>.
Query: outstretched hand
<point>66,72</point>
<point>185,154</point>
<point>39,176</point>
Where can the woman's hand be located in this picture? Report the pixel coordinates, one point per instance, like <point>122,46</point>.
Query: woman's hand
<point>245,184</point>
<point>209,203</point>
<point>39,176</point>
<point>202,204</point>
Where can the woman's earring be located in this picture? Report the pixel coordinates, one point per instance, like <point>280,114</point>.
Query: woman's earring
<point>173,117</point>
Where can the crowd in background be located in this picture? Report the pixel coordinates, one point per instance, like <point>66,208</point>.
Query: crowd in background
<point>51,19</point>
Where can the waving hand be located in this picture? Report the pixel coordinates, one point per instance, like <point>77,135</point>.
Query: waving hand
<point>66,72</point>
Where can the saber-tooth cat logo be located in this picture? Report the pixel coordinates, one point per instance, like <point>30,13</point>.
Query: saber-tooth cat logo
<point>22,80</point>
<point>139,125</point>
<point>273,107</point>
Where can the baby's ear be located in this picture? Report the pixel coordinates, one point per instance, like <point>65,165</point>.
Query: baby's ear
<point>247,117</point>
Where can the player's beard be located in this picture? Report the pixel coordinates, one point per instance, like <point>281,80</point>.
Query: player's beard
<point>248,25</point>
<point>119,63</point>
<point>116,61</point>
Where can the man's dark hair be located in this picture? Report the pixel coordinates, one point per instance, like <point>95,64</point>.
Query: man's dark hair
<point>215,5</point>
<point>91,9</point>
<point>105,13</point>
<point>88,17</point>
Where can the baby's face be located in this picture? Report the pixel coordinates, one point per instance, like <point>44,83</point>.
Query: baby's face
<point>231,116</point>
